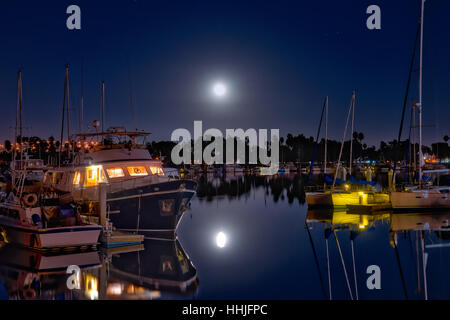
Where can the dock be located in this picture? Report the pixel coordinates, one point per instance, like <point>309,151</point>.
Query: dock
<point>120,239</point>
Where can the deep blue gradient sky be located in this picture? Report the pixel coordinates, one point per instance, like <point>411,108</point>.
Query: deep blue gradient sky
<point>279,59</point>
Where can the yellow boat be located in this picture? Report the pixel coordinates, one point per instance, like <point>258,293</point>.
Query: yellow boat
<point>341,199</point>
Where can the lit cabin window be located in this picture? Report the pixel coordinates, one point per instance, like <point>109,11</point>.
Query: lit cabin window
<point>137,171</point>
<point>115,172</point>
<point>77,178</point>
<point>157,170</point>
<point>94,176</point>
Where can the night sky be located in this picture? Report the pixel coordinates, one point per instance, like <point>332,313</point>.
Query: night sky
<point>279,59</point>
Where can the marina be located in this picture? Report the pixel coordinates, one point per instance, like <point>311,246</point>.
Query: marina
<point>224,151</point>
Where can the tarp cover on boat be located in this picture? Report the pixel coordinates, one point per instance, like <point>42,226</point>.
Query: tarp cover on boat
<point>353,180</point>
<point>424,178</point>
<point>329,180</point>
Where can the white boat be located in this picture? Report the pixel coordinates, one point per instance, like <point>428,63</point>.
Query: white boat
<point>433,197</point>
<point>422,197</point>
<point>140,195</point>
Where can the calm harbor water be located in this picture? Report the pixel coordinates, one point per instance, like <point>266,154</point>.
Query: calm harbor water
<point>250,238</point>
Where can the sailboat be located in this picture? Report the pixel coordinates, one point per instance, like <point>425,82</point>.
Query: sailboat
<point>421,197</point>
<point>341,198</point>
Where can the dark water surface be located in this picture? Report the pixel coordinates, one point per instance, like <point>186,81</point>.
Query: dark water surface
<point>251,238</point>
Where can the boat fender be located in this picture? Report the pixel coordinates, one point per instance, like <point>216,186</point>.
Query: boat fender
<point>30,199</point>
<point>36,218</point>
<point>29,294</point>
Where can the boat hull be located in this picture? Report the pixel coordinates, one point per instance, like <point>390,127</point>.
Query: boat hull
<point>421,199</point>
<point>154,210</point>
<point>344,199</point>
<point>319,199</point>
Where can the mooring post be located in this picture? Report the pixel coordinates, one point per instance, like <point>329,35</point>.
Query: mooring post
<point>102,201</point>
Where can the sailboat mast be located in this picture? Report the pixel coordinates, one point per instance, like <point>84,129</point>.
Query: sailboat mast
<point>413,115</point>
<point>326,136</point>
<point>19,113</point>
<point>351,133</point>
<point>67,102</point>
<point>342,146</point>
<point>65,107</point>
<point>103,106</point>
<point>420,92</point>
<point>20,110</point>
<point>82,97</point>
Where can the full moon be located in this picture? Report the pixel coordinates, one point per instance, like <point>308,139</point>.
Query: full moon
<point>219,89</point>
<point>221,239</point>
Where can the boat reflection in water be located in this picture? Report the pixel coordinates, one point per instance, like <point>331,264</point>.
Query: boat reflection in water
<point>420,232</point>
<point>26,274</point>
<point>159,269</point>
<point>155,269</point>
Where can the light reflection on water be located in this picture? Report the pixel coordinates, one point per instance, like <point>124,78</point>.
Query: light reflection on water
<point>251,238</point>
